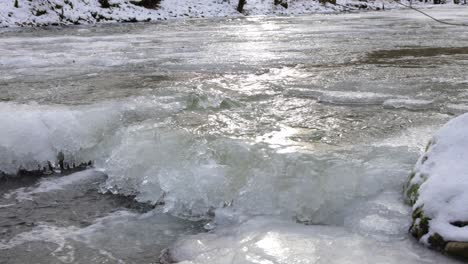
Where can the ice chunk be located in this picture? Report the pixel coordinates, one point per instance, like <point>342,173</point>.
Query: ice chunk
<point>410,104</point>
<point>456,109</point>
<point>341,97</point>
<point>157,165</point>
<point>57,184</point>
<point>384,217</point>
<point>33,134</point>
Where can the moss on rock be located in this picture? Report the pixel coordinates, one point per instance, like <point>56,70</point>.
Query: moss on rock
<point>411,190</point>
<point>437,242</point>
<point>420,225</point>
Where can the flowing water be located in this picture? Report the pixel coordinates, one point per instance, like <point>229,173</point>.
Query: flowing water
<point>244,140</point>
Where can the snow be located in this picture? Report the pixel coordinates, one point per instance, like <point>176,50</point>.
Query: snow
<point>443,174</point>
<point>55,12</point>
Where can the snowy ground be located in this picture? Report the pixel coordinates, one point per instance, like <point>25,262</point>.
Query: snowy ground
<point>58,12</point>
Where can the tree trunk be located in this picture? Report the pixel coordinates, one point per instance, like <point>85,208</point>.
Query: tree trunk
<point>283,3</point>
<point>240,6</point>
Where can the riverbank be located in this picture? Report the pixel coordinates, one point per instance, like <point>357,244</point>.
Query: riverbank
<point>22,13</point>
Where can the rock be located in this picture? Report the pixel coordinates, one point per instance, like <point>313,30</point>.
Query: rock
<point>166,257</point>
<point>458,249</point>
<point>437,189</point>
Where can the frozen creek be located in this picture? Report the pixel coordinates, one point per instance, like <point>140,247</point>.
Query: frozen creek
<point>257,140</point>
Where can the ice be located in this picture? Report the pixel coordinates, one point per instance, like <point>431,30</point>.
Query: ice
<point>154,160</point>
<point>262,240</point>
<point>383,217</point>
<point>341,97</point>
<point>443,170</point>
<point>250,177</point>
<point>353,98</point>
<point>388,101</point>
<point>414,138</point>
<point>33,134</point>
<point>457,109</point>
<point>56,184</point>
<point>410,104</point>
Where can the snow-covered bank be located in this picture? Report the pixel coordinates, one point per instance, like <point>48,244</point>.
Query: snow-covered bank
<point>65,12</point>
<point>438,188</point>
